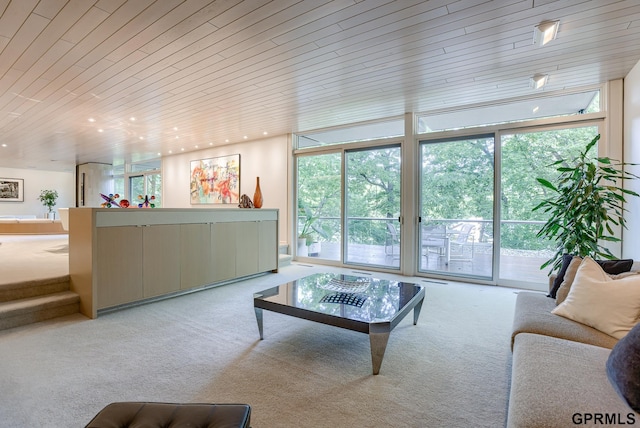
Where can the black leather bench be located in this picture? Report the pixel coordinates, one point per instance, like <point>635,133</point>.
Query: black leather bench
<point>148,415</point>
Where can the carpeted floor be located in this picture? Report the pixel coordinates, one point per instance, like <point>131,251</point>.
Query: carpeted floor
<point>450,370</point>
<point>30,257</point>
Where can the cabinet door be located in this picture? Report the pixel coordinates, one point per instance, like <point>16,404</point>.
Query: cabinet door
<point>195,256</point>
<point>119,265</point>
<point>161,259</point>
<point>268,246</point>
<point>223,250</point>
<point>247,248</point>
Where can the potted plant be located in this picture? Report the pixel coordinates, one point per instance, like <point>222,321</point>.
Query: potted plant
<point>308,244</point>
<point>585,206</point>
<point>48,199</point>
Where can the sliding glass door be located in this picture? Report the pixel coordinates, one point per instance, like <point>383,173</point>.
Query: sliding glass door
<point>372,181</point>
<point>319,204</point>
<point>455,236</point>
<point>525,157</point>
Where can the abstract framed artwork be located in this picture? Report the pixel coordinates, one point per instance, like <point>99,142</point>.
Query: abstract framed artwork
<point>215,180</point>
<point>11,190</point>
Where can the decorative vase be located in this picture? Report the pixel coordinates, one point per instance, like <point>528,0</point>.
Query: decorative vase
<point>257,196</point>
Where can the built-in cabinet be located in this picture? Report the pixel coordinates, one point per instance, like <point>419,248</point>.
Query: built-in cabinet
<point>118,256</point>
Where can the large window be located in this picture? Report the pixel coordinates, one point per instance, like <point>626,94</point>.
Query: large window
<point>373,206</point>
<point>456,227</point>
<point>319,204</point>
<point>468,212</point>
<point>525,157</point>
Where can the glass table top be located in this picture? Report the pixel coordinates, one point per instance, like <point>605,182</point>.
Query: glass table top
<point>362,299</point>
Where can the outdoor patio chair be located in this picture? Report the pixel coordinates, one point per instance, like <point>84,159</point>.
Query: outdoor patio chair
<point>461,241</point>
<point>435,239</point>
<point>392,241</point>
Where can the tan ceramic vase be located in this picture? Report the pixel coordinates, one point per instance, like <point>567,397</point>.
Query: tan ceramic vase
<point>257,196</point>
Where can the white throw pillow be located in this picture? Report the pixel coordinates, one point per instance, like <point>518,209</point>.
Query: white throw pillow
<point>609,305</point>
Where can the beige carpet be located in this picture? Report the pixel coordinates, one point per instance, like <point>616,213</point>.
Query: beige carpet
<point>451,370</point>
<point>30,257</point>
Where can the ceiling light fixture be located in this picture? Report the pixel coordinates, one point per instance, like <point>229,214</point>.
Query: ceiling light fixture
<point>91,119</point>
<point>544,32</point>
<point>265,133</point>
<point>245,137</point>
<point>539,80</point>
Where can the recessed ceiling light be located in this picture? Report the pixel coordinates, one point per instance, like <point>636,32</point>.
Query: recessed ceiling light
<point>226,141</point>
<point>177,137</point>
<point>4,145</point>
<point>545,32</point>
<point>170,151</point>
<point>211,144</point>
<point>132,119</point>
<point>91,119</point>
<point>245,137</point>
<point>265,133</point>
<point>159,154</point>
<point>539,80</point>
<point>175,128</point>
<point>100,130</point>
<point>196,146</point>
<point>142,138</point>
<point>182,149</point>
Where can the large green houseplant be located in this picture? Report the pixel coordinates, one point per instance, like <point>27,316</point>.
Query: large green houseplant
<point>585,205</point>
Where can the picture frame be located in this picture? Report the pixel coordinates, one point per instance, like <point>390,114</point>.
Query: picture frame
<point>215,180</point>
<point>11,190</point>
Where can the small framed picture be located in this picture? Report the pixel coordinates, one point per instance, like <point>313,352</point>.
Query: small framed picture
<point>11,190</point>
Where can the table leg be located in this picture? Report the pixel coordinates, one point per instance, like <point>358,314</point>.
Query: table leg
<point>258,312</point>
<point>378,338</point>
<point>416,311</point>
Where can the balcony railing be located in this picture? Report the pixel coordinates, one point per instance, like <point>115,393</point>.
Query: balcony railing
<point>370,241</point>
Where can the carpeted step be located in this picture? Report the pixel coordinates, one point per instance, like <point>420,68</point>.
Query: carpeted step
<point>35,309</point>
<point>33,288</point>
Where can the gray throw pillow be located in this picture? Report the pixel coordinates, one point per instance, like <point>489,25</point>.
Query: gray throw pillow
<point>623,368</point>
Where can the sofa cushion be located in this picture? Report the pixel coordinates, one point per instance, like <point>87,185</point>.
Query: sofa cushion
<point>612,267</point>
<point>553,395</point>
<point>569,276</point>
<point>566,260</point>
<point>623,368</point>
<point>533,315</point>
<point>611,306</point>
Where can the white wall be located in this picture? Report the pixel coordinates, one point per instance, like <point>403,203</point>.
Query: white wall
<point>266,158</point>
<point>34,182</point>
<point>630,243</point>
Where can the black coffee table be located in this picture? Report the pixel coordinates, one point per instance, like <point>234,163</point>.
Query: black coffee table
<point>368,305</point>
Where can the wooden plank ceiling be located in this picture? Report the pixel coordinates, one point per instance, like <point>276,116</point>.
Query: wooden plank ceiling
<point>74,74</point>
